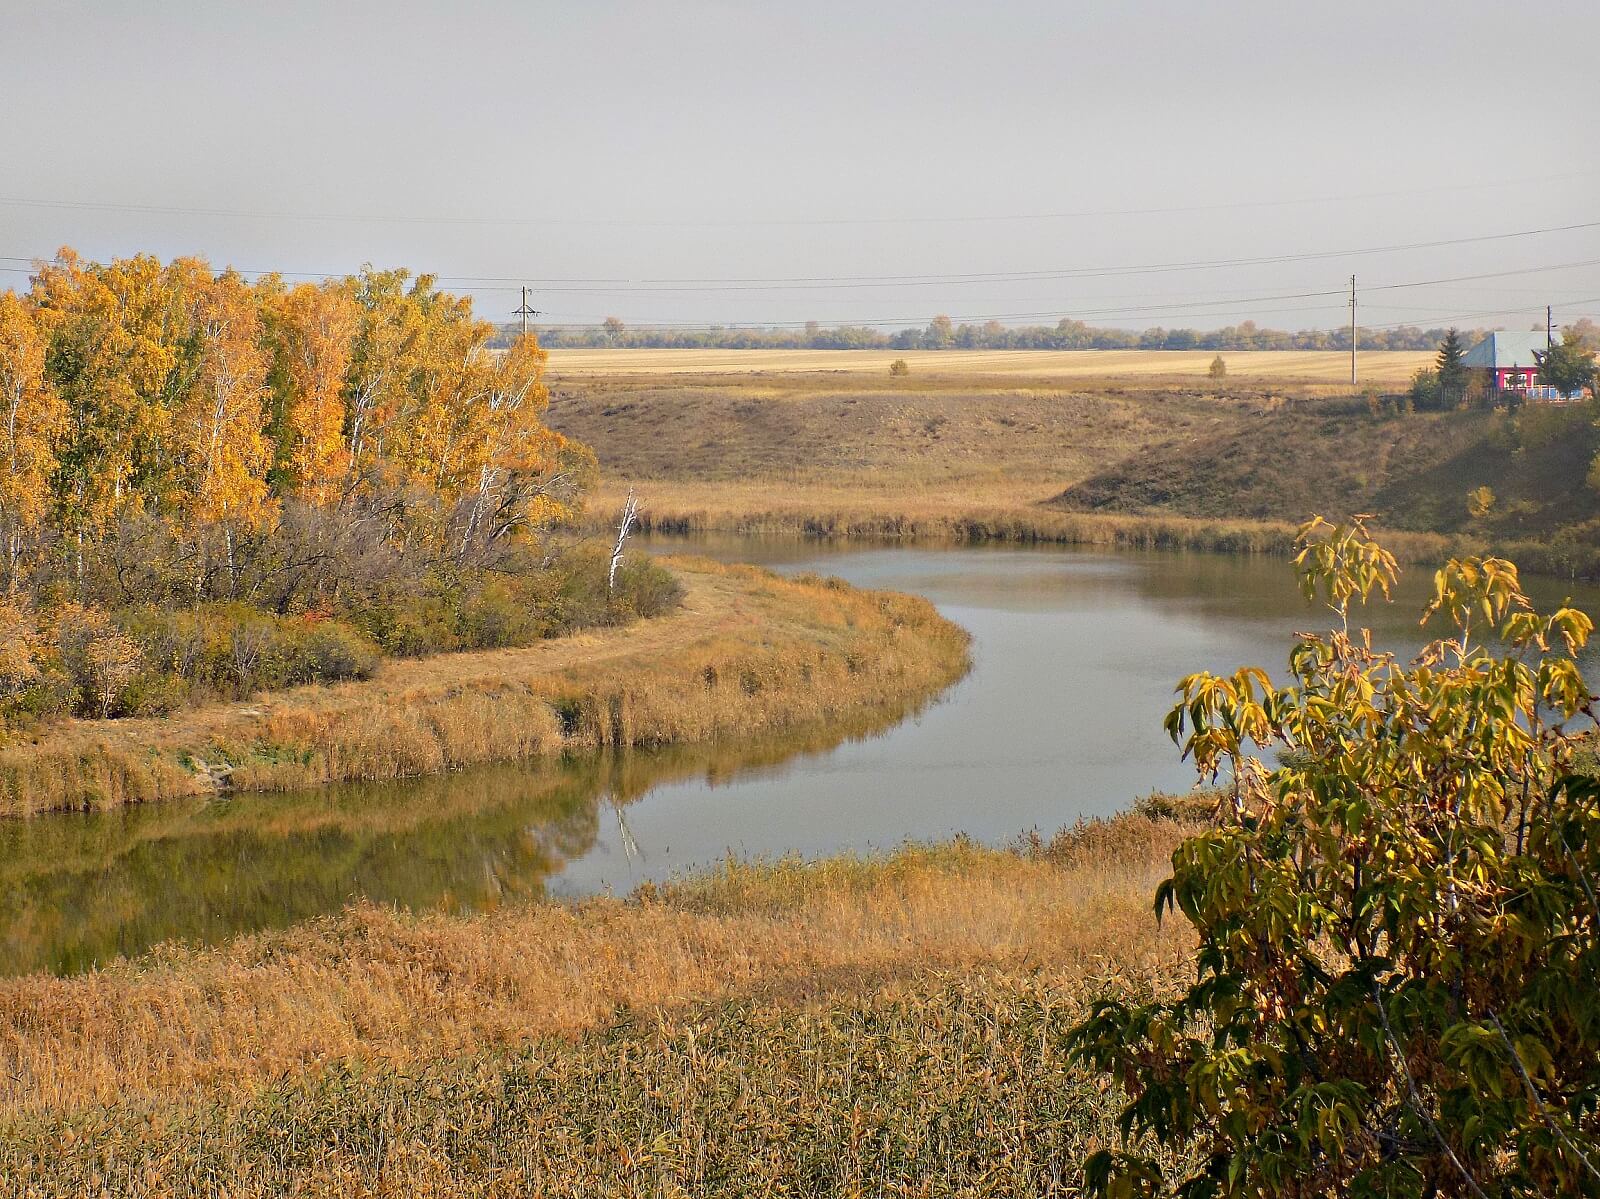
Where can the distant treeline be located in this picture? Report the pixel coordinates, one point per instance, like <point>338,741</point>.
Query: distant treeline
<point>943,334</point>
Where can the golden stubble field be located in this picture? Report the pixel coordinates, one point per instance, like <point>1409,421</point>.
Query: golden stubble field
<point>1378,368</point>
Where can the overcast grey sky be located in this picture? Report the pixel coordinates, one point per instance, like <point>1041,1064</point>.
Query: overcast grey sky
<point>634,142</point>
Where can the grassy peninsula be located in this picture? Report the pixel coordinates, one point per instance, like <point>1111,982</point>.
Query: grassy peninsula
<point>265,536</point>
<point>746,653</point>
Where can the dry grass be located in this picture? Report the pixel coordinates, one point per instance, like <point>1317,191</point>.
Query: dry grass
<point>957,435</point>
<point>1381,368</point>
<point>748,653</point>
<point>378,984</point>
<point>948,1085</point>
<point>837,1027</point>
<point>753,509</point>
<point>1152,464</point>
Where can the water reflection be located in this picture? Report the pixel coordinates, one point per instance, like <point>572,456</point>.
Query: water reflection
<point>80,889</point>
<point>1075,656</point>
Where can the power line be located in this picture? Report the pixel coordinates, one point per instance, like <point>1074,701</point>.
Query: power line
<point>1124,312</point>
<point>1183,309</point>
<point>1063,273</point>
<point>1467,316</point>
<point>831,282</point>
<point>452,219</point>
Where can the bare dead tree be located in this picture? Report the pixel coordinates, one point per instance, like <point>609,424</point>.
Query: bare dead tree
<point>630,513</point>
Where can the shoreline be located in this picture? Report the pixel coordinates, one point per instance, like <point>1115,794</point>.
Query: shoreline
<point>893,518</point>
<point>376,985</point>
<point>748,652</point>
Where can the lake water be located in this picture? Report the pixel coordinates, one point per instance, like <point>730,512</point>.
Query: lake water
<point>1075,655</point>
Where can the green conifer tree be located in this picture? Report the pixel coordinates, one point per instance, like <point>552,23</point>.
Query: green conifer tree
<point>1452,370</point>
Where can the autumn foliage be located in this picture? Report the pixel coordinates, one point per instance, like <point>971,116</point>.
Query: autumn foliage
<point>1395,992</point>
<point>136,388</point>
<point>175,437</point>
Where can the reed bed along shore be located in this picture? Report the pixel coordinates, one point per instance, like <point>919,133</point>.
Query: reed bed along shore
<point>748,653</point>
<point>847,1026</point>
<point>824,512</point>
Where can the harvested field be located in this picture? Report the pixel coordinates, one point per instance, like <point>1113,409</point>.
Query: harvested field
<point>1380,368</point>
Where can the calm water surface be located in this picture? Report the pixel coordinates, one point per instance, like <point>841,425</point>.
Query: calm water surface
<point>1075,655</point>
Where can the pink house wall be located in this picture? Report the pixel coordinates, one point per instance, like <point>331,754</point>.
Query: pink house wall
<point>1513,377</point>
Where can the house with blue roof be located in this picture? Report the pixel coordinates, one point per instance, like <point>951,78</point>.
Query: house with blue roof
<point>1508,362</point>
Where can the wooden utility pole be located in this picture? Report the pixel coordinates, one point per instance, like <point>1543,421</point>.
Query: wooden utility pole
<point>1352,330</point>
<point>1549,328</point>
<point>525,312</point>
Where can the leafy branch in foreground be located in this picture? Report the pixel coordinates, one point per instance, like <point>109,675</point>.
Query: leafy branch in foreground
<point>1398,976</point>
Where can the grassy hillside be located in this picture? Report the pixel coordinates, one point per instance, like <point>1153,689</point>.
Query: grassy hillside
<point>1230,465</point>
<point>1413,472</point>
<point>879,433</point>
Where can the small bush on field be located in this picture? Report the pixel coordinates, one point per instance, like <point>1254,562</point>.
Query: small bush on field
<point>499,614</point>
<point>644,589</point>
<point>99,658</point>
<point>229,651</point>
<point>1425,394</point>
<point>408,626</point>
<point>333,650</point>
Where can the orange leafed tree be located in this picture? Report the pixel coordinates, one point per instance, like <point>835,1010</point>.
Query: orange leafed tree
<point>123,328</point>
<point>448,363</point>
<point>382,365</point>
<point>169,401</point>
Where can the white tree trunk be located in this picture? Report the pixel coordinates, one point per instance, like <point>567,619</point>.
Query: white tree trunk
<point>630,512</point>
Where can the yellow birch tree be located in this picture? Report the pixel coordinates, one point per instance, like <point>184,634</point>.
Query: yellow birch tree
<point>220,429</point>
<point>35,419</point>
<point>382,366</point>
<point>317,326</point>
<point>117,334</point>
<point>526,475</point>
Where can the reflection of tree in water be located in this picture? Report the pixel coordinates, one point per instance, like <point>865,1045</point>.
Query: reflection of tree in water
<point>84,888</point>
